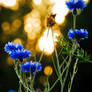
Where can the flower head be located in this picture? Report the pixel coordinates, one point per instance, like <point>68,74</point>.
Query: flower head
<point>11,91</point>
<point>78,34</point>
<point>75,4</point>
<point>20,54</point>
<point>10,46</point>
<point>31,67</point>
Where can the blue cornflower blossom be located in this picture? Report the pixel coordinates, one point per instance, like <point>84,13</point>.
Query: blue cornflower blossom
<point>31,67</point>
<point>75,4</point>
<point>78,34</point>
<point>20,54</point>
<point>11,91</point>
<point>10,46</point>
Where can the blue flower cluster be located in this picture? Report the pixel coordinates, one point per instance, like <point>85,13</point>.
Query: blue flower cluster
<point>10,46</point>
<point>20,54</point>
<point>11,91</point>
<point>78,34</point>
<point>75,4</point>
<point>31,67</point>
<point>16,51</point>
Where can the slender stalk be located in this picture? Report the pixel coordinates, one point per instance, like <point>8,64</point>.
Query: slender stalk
<point>58,66</point>
<point>47,87</point>
<point>41,56</point>
<point>74,47</point>
<point>54,66</point>
<point>63,62</point>
<point>31,82</point>
<point>19,81</point>
<point>59,71</point>
<point>73,75</point>
<point>54,84</point>
<point>20,78</point>
<point>19,89</point>
<point>74,22</point>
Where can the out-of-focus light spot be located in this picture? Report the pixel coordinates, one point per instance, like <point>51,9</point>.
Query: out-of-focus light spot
<point>13,4</point>
<point>31,35</point>
<point>86,1</point>
<point>60,10</point>
<point>52,1</point>
<point>59,19</point>
<point>46,43</point>
<point>37,2</point>
<point>16,24</point>
<point>10,61</point>
<point>9,2</point>
<point>32,24</point>
<point>48,70</point>
<point>5,27</point>
<point>55,37</point>
<point>18,40</point>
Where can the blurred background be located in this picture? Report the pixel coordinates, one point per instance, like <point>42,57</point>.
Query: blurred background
<point>24,21</point>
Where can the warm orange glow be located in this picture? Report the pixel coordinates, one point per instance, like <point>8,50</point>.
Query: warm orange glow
<point>60,10</point>
<point>32,24</point>
<point>37,2</point>
<point>18,40</point>
<point>16,24</point>
<point>46,43</point>
<point>9,2</point>
<point>86,1</point>
<point>13,4</point>
<point>6,27</point>
<point>48,70</point>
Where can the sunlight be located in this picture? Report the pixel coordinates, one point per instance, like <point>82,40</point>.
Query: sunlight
<point>32,24</point>
<point>37,2</point>
<point>60,10</point>
<point>46,43</point>
<point>13,4</point>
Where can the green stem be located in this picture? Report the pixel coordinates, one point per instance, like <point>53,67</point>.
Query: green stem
<point>20,78</point>
<point>54,66</point>
<point>19,89</point>
<point>58,66</point>
<point>54,84</point>
<point>41,56</point>
<point>31,83</point>
<point>63,62</point>
<point>74,22</point>
<point>73,75</point>
<point>59,71</point>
